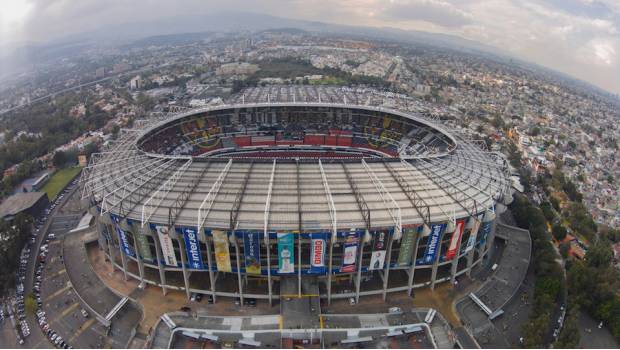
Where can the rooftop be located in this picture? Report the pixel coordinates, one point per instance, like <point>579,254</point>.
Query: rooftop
<point>19,202</point>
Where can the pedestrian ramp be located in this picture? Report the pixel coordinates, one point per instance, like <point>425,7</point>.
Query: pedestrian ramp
<point>116,308</point>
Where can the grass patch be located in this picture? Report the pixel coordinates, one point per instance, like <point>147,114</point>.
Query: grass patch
<point>59,180</point>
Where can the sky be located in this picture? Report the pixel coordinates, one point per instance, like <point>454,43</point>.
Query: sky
<point>577,37</point>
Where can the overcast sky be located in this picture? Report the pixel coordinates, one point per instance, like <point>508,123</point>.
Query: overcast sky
<point>578,37</point>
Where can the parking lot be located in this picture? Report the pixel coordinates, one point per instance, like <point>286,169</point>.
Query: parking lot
<point>65,315</point>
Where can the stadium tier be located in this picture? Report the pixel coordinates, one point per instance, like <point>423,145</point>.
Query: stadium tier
<point>231,199</point>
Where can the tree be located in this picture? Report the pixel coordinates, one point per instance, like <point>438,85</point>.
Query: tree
<point>564,249</point>
<point>14,236</point>
<point>569,336</point>
<point>555,202</point>
<point>559,231</point>
<point>59,159</point>
<point>599,254</point>
<point>547,211</point>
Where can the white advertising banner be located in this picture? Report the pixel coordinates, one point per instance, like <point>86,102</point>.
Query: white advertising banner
<point>167,248</point>
<point>471,242</point>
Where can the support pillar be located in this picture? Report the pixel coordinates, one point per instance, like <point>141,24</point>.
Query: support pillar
<point>111,250</point>
<point>299,264</point>
<point>360,241</point>
<point>267,244</point>
<point>138,257</point>
<point>183,264</point>
<point>388,257</point>
<point>236,244</point>
<point>329,270</point>
<point>413,263</point>
<point>158,254</point>
<point>123,261</point>
<point>455,262</point>
<point>210,267</point>
<point>490,246</point>
<point>436,263</point>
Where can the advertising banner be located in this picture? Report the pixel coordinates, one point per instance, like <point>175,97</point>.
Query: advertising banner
<point>192,246</point>
<point>222,254</point>
<point>251,251</point>
<point>485,230</point>
<point>143,247</point>
<point>455,240</point>
<point>123,239</point>
<point>167,248</point>
<point>286,253</point>
<point>432,245</point>
<point>377,259</point>
<point>471,242</point>
<point>349,256</point>
<point>317,253</point>
<point>406,246</point>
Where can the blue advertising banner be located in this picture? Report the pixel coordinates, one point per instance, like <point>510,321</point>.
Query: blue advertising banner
<point>123,238</point>
<point>485,229</point>
<point>317,253</point>
<point>251,251</point>
<point>192,246</point>
<point>432,245</point>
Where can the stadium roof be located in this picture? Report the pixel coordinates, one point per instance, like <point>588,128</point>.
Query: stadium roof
<point>306,194</point>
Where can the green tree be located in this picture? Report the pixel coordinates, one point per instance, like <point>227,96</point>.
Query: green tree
<point>559,231</point>
<point>564,249</point>
<point>599,254</point>
<point>59,159</point>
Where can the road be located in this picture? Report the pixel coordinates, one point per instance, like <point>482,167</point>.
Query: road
<point>593,337</point>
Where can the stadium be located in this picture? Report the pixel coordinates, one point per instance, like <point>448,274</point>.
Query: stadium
<point>273,190</point>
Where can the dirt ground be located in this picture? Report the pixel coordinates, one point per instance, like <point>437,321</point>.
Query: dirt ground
<point>443,298</point>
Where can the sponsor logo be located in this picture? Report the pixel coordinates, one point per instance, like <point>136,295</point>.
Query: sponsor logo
<point>318,252</point>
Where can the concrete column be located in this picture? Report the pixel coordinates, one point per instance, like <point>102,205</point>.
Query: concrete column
<point>123,259</point>
<point>162,272</point>
<point>490,245</point>
<point>183,263</point>
<point>436,262</point>
<point>138,257</point>
<point>388,257</point>
<point>267,246</point>
<point>210,263</point>
<point>238,266</point>
<point>111,250</point>
<point>360,243</point>
<point>329,270</point>
<point>299,264</point>
<point>455,262</point>
<point>472,252</point>
<point>413,262</point>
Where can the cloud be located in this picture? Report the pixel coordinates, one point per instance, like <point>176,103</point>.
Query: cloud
<point>434,11</point>
<point>599,51</point>
<point>578,37</point>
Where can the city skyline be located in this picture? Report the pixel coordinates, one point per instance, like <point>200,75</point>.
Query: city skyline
<point>579,38</point>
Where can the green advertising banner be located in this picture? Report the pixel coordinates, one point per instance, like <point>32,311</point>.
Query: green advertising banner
<point>286,253</point>
<point>406,246</point>
<point>143,247</point>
